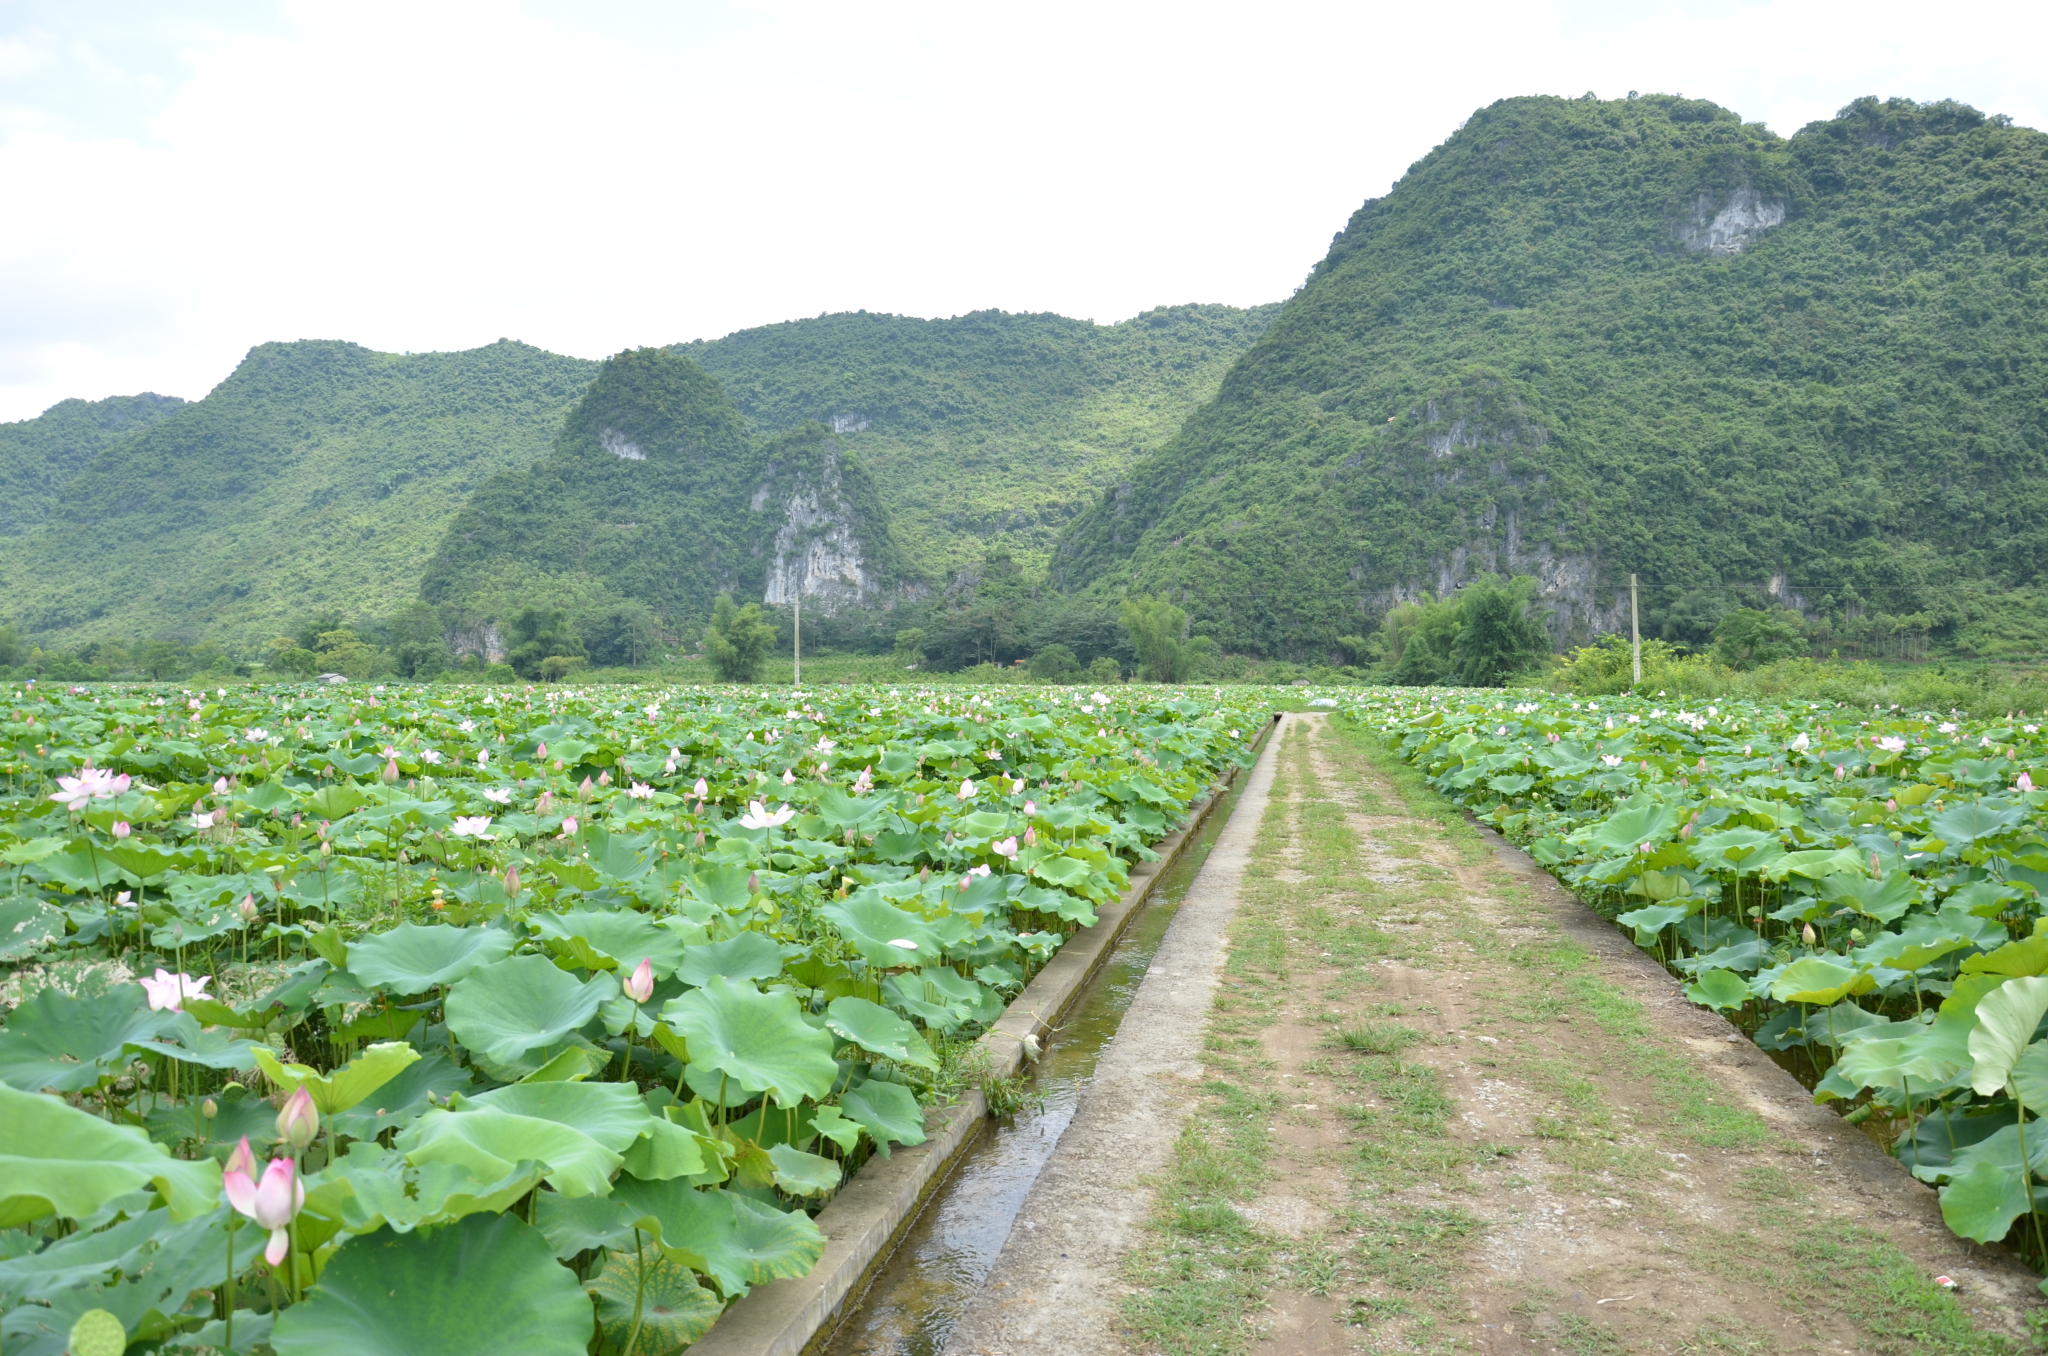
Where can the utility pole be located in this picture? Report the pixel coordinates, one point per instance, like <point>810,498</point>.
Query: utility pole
<point>797,638</point>
<point>1635,630</point>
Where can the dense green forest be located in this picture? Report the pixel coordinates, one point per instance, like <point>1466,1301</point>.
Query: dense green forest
<point>985,432</point>
<point>317,476</point>
<point>1582,339</point>
<point>40,456</point>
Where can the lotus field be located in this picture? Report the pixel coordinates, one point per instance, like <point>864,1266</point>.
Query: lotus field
<point>1860,889</point>
<point>419,1020</point>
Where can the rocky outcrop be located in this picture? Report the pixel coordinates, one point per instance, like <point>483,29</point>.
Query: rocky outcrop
<point>1728,223</point>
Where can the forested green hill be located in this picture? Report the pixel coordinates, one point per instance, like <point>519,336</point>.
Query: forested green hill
<point>318,477</point>
<point>655,494</point>
<point>1585,338</point>
<point>39,456</point>
<point>322,477</point>
<point>987,431</point>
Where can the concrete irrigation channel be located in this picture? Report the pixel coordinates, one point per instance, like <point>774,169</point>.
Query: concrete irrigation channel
<point>910,1240</point>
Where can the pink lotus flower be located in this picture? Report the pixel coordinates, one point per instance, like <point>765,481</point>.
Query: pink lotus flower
<point>121,829</point>
<point>1006,848</point>
<point>547,798</point>
<point>2025,783</point>
<point>299,1121</point>
<point>865,782</point>
<point>222,786</point>
<point>569,826</point>
<point>540,750</point>
<point>1031,837</point>
<point>639,985</point>
<point>391,773</point>
<point>1030,808</point>
<point>202,819</point>
<point>242,1160</point>
<point>702,790</point>
<point>90,784</point>
<point>169,991</point>
<point>472,826</point>
<point>272,1203</point>
<point>789,777</point>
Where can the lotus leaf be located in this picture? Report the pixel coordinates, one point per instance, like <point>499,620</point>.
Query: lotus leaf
<point>59,1041</point>
<point>672,1309</point>
<point>887,1111</point>
<point>346,1086</point>
<point>413,959</point>
<point>491,1144</point>
<point>747,956</point>
<point>56,1159</point>
<point>507,1008</point>
<point>487,1285</point>
<point>879,1031</point>
<point>759,1039</point>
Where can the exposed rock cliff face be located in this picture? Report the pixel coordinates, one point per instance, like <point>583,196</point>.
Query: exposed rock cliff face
<point>1728,223</point>
<point>821,548</point>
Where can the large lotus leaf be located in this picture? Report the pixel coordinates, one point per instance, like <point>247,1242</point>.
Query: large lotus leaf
<point>1982,1203</point>
<point>487,1285</point>
<point>625,936</point>
<point>59,1041</point>
<point>27,925</point>
<point>516,1005</point>
<point>887,1111</point>
<point>413,959</point>
<point>1652,919</point>
<point>747,956</point>
<point>82,1257</point>
<point>491,1143</point>
<point>576,1224</point>
<point>1817,864</point>
<point>434,1078</point>
<point>1884,900</point>
<point>56,1159</point>
<point>613,1114</point>
<point>2006,1019</point>
<point>876,1029</point>
<point>672,1308</point>
<point>1742,849</point>
<point>346,1086</point>
<point>723,887</point>
<point>1819,982</point>
<point>842,811</point>
<point>1626,831</point>
<point>801,1173</point>
<point>1065,872</point>
<point>1907,1062</point>
<point>666,1150</point>
<point>374,1187</point>
<point>184,1041</point>
<point>1719,989</point>
<point>2027,956</point>
<point>2029,1081</point>
<point>1967,823</point>
<point>757,1038</point>
<point>872,925</point>
<point>736,1241</point>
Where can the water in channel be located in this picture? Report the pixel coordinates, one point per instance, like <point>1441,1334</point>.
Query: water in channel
<point>926,1285</point>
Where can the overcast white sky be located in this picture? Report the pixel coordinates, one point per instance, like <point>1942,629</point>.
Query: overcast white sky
<point>181,179</point>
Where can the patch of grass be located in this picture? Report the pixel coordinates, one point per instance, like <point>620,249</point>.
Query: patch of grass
<point>1586,1338</point>
<point>1377,1038</point>
<point>1414,1248</point>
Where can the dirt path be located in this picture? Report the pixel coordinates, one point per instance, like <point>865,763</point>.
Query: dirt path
<point>1449,1108</point>
<point>1057,1285</point>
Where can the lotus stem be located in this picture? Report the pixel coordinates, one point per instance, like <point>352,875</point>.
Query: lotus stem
<point>640,1288</point>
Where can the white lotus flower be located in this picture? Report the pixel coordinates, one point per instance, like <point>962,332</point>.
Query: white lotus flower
<point>472,826</point>
<point>759,817</point>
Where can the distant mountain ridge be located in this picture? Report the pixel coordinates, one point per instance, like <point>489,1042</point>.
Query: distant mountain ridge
<point>324,477</point>
<point>1581,339</point>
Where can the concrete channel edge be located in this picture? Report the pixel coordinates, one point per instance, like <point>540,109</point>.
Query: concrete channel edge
<point>864,1221</point>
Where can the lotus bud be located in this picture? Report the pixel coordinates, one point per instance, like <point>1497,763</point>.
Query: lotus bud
<point>391,772</point>
<point>221,786</point>
<point>540,751</point>
<point>1876,870</point>
<point>585,792</point>
<point>1840,772</point>
<point>569,826</point>
<point>700,838</point>
<point>1685,831</point>
<point>327,849</point>
<point>2025,783</point>
<point>249,911</point>
<point>1031,837</point>
<point>639,985</point>
<point>120,829</point>
<point>299,1122</point>
<point>209,1108</point>
<point>1806,934</point>
<point>511,882</point>
<point>1891,807</point>
<point>603,779</point>
<point>702,789</point>
<point>547,798</point>
<point>753,882</point>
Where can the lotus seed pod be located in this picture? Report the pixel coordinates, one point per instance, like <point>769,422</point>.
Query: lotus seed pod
<point>97,1333</point>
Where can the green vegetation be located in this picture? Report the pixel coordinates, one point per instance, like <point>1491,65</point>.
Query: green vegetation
<point>1860,889</point>
<point>985,432</point>
<point>1514,362</point>
<point>318,476</point>
<point>39,457</point>
<point>737,640</point>
<point>530,992</point>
